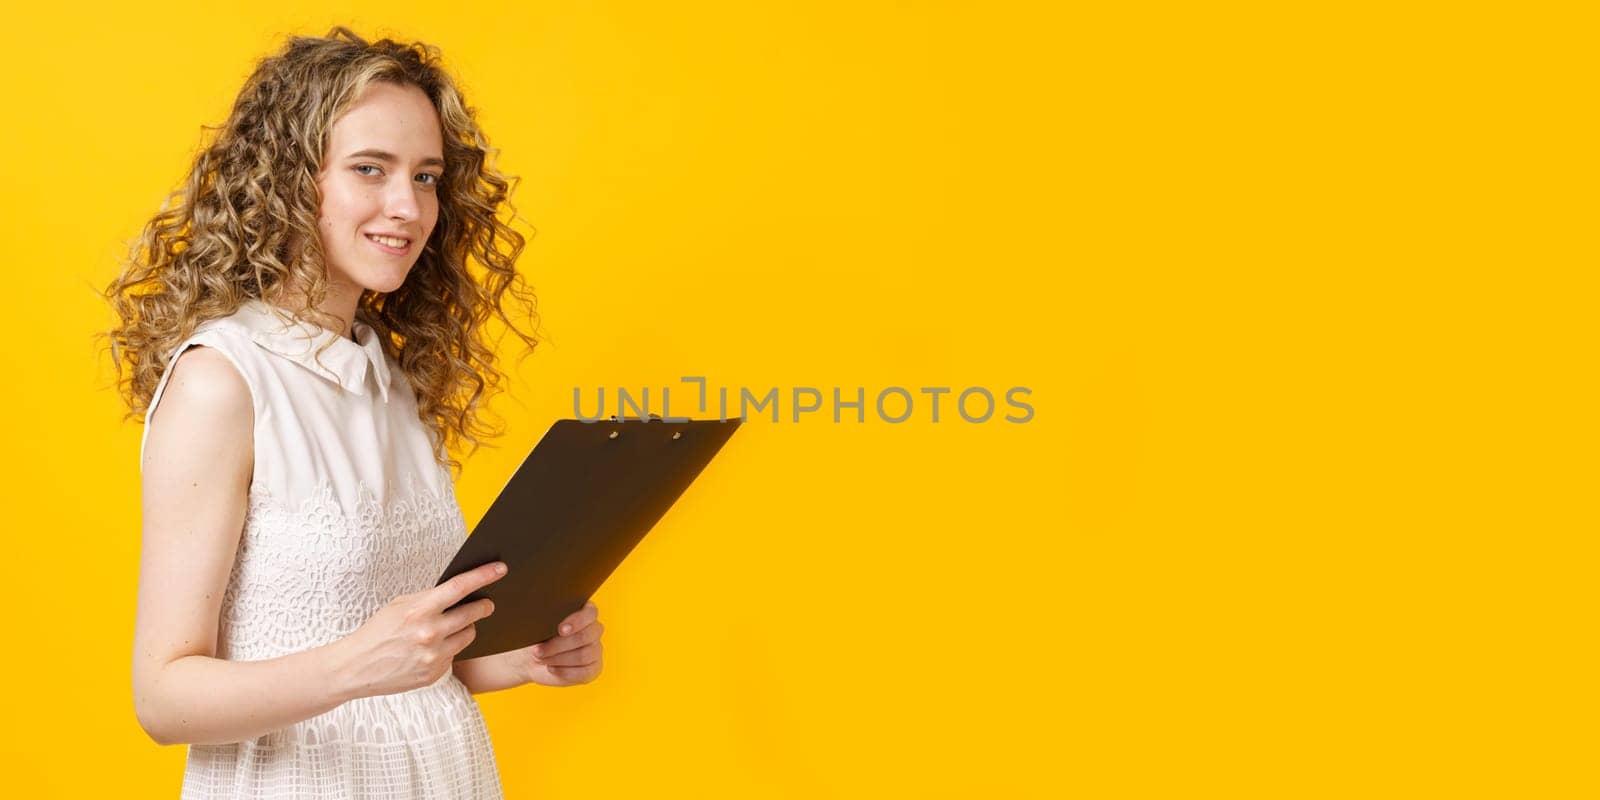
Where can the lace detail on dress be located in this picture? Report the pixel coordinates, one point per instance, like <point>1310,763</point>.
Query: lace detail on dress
<point>309,573</point>
<point>312,572</point>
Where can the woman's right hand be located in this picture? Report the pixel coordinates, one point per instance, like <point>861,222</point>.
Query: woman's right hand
<point>412,642</point>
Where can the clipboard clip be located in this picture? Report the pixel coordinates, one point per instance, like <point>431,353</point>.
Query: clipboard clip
<point>650,418</point>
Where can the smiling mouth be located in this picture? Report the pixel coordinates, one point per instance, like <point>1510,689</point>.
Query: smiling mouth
<point>392,243</point>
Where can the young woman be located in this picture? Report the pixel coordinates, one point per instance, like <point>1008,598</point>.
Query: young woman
<point>303,328</point>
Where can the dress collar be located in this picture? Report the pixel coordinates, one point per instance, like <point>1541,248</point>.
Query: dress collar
<point>345,362</point>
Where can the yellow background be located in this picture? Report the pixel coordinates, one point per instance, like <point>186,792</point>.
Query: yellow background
<point>1304,294</point>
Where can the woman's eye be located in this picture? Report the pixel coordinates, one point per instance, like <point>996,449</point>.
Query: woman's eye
<point>426,178</point>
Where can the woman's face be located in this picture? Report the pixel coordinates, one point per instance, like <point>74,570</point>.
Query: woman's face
<point>379,185</point>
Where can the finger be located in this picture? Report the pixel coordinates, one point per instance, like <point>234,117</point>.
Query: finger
<point>583,674</point>
<point>451,591</point>
<point>458,641</point>
<point>562,644</point>
<point>461,616</point>
<point>583,616</point>
<point>587,654</point>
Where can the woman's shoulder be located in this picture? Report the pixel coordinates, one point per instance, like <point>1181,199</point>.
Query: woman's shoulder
<point>205,388</point>
<point>215,364</point>
<point>204,378</point>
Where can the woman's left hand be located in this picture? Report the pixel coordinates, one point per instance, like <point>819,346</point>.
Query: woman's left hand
<point>571,658</point>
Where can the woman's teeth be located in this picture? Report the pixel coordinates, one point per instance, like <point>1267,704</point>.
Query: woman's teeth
<point>390,241</point>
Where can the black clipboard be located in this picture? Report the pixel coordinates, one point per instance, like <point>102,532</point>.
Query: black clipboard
<point>581,501</point>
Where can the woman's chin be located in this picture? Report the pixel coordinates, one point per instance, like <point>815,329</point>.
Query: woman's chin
<point>385,284</point>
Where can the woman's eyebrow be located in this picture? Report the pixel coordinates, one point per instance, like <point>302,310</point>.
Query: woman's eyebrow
<point>390,158</point>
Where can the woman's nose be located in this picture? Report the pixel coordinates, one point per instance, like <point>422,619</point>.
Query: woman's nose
<point>400,202</point>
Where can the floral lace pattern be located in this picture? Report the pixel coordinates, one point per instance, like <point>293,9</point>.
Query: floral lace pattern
<point>311,572</point>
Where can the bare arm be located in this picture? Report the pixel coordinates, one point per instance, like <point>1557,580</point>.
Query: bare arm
<point>196,478</point>
<point>491,673</point>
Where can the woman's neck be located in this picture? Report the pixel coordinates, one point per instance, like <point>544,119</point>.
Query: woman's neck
<point>340,302</point>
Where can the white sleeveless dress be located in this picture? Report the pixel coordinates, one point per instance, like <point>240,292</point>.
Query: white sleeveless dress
<point>347,510</point>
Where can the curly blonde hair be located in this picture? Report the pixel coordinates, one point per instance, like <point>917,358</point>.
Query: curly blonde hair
<point>244,226</point>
